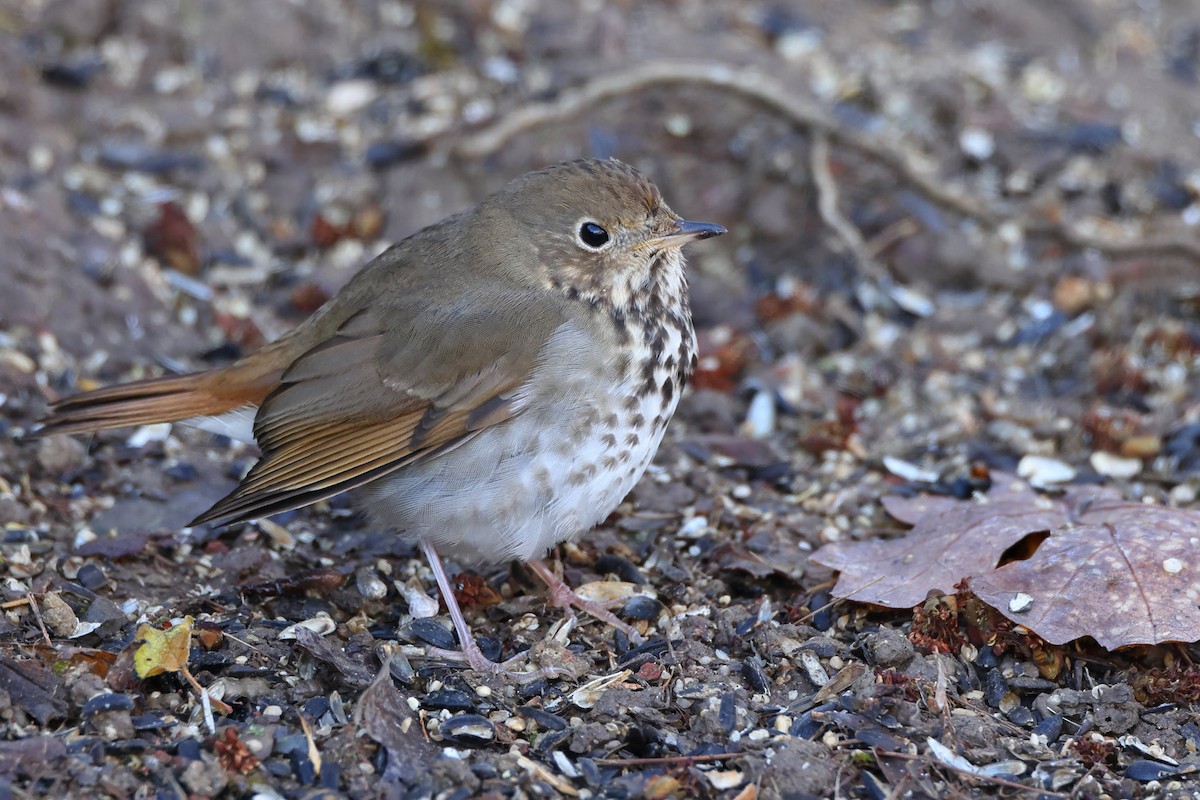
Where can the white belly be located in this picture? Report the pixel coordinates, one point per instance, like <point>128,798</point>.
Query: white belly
<point>523,486</point>
<point>519,488</point>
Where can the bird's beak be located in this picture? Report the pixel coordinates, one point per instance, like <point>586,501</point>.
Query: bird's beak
<point>686,231</point>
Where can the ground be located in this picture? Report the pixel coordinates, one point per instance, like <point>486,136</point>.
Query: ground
<point>961,233</point>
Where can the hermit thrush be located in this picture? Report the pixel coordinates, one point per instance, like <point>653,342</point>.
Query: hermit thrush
<point>496,383</point>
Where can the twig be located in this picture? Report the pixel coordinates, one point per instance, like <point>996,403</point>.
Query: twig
<point>206,702</point>
<point>766,90</point>
<point>969,774</point>
<point>900,229</point>
<point>831,215</point>
<point>749,82</point>
<point>37,615</point>
<point>1072,236</point>
<point>314,754</point>
<point>827,198</point>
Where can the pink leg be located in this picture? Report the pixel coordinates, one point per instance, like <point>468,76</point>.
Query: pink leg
<point>563,596</point>
<point>470,650</point>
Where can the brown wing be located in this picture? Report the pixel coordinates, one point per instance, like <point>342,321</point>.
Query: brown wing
<point>373,399</point>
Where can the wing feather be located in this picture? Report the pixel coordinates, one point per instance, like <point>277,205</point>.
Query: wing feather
<point>373,399</point>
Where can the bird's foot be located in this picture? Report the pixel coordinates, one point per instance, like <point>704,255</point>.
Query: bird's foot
<point>470,653</point>
<point>563,596</point>
<point>474,658</point>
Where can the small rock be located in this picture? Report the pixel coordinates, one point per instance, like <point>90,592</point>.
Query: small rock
<point>1145,446</point>
<point>347,97</point>
<point>806,768</point>
<point>1115,466</point>
<point>59,453</point>
<point>114,726</point>
<point>1042,472</point>
<point>760,418</point>
<point>1073,294</point>
<point>59,617</point>
<point>204,778</point>
<point>889,648</point>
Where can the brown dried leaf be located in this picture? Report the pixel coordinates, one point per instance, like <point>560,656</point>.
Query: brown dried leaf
<point>951,540</point>
<point>1127,574</point>
<point>120,545</point>
<point>173,240</point>
<point>353,671</point>
<point>383,714</point>
<point>1120,572</point>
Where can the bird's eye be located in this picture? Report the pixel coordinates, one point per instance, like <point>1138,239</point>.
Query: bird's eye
<point>592,236</point>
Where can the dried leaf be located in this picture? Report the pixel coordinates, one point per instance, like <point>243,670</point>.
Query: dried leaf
<point>122,545</point>
<point>355,672</point>
<point>1127,574</point>
<point>385,717</point>
<point>951,540</point>
<point>1123,573</point>
<point>162,651</point>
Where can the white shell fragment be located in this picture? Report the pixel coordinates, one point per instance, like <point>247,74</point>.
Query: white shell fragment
<point>1174,566</point>
<point>1153,750</point>
<point>610,593</point>
<point>977,143</point>
<point>949,757</point>
<point>1020,603</point>
<point>908,470</point>
<point>1113,466</point>
<point>912,301</point>
<point>1043,472</point>
<point>321,625</point>
<point>83,629</point>
<point>347,97</point>
<point>149,433</point>
<point>760,417</point>
<point>420,605</point>
<point>813,669</point>
<point>587,695</point>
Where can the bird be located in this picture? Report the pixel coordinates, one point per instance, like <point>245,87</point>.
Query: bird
<point>491,386</point>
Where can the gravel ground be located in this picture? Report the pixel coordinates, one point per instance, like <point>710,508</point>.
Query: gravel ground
<point>961,233</point>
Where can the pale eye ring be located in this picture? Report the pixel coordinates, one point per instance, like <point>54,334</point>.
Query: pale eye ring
<point>591,236</point>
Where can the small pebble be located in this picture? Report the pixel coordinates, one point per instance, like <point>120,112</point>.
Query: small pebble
<point>1115,466</point>
<point>347,97</point>
<point>1043,472</point>
<point>58,453</point>
<point>977,143</point>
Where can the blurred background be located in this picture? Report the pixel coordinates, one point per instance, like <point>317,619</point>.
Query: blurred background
<point>228,165</point>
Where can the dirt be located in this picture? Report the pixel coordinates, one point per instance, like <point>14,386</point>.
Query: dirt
<point>995,259</point>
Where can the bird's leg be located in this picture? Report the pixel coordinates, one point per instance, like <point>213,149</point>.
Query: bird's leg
<point>470,652</point>
<point>564,596</point>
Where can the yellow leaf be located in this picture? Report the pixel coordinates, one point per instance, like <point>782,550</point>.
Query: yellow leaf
<point>162,651</point>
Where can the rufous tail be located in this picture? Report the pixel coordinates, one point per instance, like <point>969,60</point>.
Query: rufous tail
<point>170,399</point>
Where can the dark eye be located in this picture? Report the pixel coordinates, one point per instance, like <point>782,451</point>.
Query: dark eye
<point>593,235</point>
